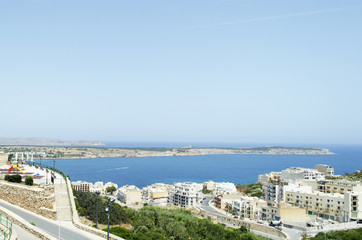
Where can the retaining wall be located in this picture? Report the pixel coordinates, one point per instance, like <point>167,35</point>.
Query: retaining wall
<point>35,199</point>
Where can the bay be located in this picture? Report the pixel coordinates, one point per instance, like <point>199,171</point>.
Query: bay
<point>239,169</point>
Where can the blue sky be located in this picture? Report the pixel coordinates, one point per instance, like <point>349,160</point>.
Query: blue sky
<point>182,71</point>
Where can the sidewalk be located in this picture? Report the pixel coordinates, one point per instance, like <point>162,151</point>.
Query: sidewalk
<point>64,212</point>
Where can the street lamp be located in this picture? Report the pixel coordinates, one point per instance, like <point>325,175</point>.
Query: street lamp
<point>107,210</point>
<point>53,163</point>
<point>97,193</point>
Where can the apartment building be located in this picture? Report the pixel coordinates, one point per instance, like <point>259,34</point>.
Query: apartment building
<point>248,207</point>
<point>184,194</point>
<point>327,170</point>
<point>298,173</point>
<point>221,200</point>
<point>129,194</point>
<point>284,212</point>
<point>157,192</point>
<point>352,211</point>
<point>210,185</point>
<point>82,186</point>
<point>338,186</point>
<point>268,177</point>
<point>328,206</point>
<point>224,188</point>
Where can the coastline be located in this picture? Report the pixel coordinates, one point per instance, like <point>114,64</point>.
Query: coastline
<point>76,152</point>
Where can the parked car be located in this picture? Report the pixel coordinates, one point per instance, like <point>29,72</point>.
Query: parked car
<point>275,223</point>
<point>236,217</point>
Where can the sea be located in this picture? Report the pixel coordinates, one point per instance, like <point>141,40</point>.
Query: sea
<point>235,168</point>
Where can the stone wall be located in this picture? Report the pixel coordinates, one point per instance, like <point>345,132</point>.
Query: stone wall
<point>40,200</point>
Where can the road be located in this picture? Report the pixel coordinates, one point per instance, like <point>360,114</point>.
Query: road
<point>206,206</point>
<point>65,229</point>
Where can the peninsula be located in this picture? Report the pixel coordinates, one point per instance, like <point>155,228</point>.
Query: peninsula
<point>107,152</point>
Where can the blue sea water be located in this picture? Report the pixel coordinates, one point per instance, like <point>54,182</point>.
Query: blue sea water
<point>239,169</point>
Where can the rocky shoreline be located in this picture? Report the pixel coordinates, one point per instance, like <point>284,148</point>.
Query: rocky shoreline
<point>108,152</point>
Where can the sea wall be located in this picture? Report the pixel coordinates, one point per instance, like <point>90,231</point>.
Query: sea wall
<point>35,199</point>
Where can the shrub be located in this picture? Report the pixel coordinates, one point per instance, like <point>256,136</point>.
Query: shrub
<point>29,181</point>
<point>16,178</point>
<point>13,178</point>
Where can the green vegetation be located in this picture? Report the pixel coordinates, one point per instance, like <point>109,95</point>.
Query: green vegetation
<point>29,181</point>
<point>253,190</point>
<point>206,191</point>
<point>13,178</point>
<point>354,234</point>
<point>32,223</point>
<point>111,189</point>
<point>356,176</point>
<point>86,204</point>
<point>157,223</point>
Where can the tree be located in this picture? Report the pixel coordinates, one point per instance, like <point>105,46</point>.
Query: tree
<point>111,189</point>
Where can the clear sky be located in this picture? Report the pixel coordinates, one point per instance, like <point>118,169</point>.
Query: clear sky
<point>182,70</point>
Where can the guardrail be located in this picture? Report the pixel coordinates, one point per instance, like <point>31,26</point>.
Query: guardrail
<point>7,224</point>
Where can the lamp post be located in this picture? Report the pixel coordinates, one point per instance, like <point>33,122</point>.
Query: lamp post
<point>107,210</point>
<point>97,193</point>
<point>54,163</point>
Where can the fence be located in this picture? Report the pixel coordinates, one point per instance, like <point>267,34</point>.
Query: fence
<point>6,226</point>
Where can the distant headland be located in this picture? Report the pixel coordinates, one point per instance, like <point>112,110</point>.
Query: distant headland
<point>47,142</point>
<point>97,151</point>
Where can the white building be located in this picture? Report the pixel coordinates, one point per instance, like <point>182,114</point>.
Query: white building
<point>267,177</point>
<point>97,187</point>
<point>248,207</point>
<point>327,170</point>
<point>298,173</point>
<point>184,194</point>
<point>156,193</point>
<point>210,185</point>
<point>224,188</point>
<point>352,210</point>
<point>129,194</point>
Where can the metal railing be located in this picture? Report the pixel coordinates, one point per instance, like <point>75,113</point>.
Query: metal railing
<point>42,165</point>
<point>7,223</point>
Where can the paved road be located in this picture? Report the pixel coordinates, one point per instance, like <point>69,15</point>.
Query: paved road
<point>205,206</point>
<point>65,228</point>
